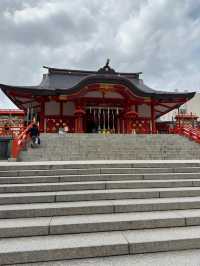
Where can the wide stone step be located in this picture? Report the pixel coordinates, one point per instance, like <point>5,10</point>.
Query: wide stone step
<point>97,171</point>
<point>48,165</point>
<point>129,148</point>
<point>98,177</point>
<point>89,195</point>
<point>36,172</point>
<point>46,248</point>
<point>98,185</point>
<point>182,156</point>
<point>95,207</point>
<point>139,153</point>
<point>123,150</point>
<point>49,172</point>
<point>97,223</point>
<point>178,258</point>
<point>58,247</point>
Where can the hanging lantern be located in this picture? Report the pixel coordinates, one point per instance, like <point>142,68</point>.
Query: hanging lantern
<point>131,114</point>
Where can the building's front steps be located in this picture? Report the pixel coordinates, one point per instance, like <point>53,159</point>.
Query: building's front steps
<point>178,258</point>
<point>112,147</point>
<point>70,210</point>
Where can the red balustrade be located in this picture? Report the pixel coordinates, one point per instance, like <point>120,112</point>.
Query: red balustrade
<point>19,142</point>
<point>189,132</point>
<point>13,131</point>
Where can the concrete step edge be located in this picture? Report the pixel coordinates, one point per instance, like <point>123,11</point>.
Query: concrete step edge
<point>94,177</point>
<point>90,195</point>
<point>97,223</point>
<point>95,185</point>
<point>57,247</point>
<point>97,207</point>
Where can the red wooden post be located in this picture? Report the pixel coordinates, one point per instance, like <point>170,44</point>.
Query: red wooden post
<point>153,118</point>
<point>130,116</point>
<point>179,121</point>
<point>42,116</point>
<point>79,113</point>
<point>118,130</point>
<point>15,149</point>
<point>61,109</point>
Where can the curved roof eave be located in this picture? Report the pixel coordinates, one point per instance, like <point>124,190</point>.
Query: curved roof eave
<point>139,89</point>
<point>35,90</point>
<point>144,92</point>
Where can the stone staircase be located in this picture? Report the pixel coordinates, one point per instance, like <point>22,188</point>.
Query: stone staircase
<point>112,147</point>
<point>53,211</point>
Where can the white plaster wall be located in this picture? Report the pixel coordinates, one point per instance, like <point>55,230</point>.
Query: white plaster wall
<point>68,108</point>
<point>113,95</point>
<point>192,106</point>
<point>52,108</point>
<point>93,94</point>
<point>109,94</point>
<point>144,110</point>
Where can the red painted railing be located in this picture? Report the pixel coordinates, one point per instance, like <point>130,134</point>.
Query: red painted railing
<point>13,131</point>
<point>189,132</point>
<point>20,142</point>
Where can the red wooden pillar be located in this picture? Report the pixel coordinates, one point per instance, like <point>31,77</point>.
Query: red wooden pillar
<point>118,129</point>
<point>179,121</point>
<point>61,109</point>
<point>79,115</point>
<point>42,116</point>
<point>130,117</point>
<point>153,122</point>
<point>121,120</point>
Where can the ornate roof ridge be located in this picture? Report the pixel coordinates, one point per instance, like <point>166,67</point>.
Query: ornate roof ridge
<point>104,70</point>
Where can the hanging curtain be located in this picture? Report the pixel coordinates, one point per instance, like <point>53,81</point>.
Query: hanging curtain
<point>108,118</point>
<point>113,121</point>
<point>99,119</point>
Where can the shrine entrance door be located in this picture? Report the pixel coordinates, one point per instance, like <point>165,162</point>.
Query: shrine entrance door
<point>102,119</point>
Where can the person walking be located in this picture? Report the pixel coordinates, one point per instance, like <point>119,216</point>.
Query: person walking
<point>34,134</point>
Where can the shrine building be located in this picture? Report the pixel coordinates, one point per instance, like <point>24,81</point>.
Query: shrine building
<point>94,101</point>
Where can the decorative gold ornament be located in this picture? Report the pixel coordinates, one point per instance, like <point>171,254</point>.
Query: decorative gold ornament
<point>63,97</point>
<point>105,88</point>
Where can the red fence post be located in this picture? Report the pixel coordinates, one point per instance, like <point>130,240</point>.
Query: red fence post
<point>14,148</point>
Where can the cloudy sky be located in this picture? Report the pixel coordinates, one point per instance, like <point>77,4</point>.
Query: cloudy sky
<point>161,38</point>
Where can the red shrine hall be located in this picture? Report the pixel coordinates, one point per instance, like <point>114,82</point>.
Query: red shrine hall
<point>94,101</point>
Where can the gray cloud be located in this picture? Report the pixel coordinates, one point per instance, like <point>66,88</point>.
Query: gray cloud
<point>158,37</point>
